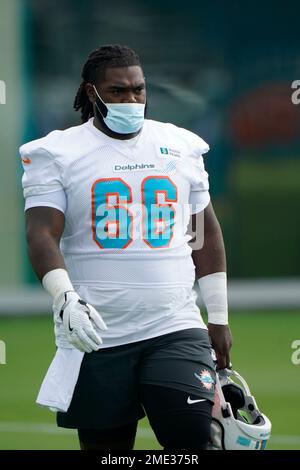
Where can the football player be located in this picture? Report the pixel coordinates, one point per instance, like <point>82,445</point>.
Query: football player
<point>108,205</point>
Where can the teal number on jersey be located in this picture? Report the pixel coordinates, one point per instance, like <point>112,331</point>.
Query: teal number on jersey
<point>111,218</point>
<point>158,215</point>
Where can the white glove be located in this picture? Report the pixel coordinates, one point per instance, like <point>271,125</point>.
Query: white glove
<point>79,321</point>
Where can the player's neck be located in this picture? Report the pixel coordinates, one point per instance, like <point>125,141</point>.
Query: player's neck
<point>103,128</point>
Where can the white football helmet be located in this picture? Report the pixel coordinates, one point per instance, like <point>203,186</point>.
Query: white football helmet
<point>237,423</point>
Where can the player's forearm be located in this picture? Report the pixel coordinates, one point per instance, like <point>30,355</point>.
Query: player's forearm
<point>44,254</point>
<point>44,228</point>
<point>210,264</point>
<point>212,257</point>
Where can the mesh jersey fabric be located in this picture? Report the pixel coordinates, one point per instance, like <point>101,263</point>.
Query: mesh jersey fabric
<point>142,282</point>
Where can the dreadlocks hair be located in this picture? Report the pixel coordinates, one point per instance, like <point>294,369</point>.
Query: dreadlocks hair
<point>108,56</point>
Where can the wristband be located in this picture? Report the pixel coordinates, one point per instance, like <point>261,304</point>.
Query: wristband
<point>56,282</point>
<point>213,289</point>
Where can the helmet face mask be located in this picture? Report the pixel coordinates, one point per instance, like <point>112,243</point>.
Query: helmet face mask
<point>237,423</point>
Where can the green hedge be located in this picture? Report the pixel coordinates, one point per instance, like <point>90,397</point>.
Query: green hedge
<point>261,218</point>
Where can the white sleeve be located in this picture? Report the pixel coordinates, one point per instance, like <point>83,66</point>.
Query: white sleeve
<point>198,201</point>
<point>42,179</point>
<point>194,149</point>
<point>199,193</point>
<point>55,199</point>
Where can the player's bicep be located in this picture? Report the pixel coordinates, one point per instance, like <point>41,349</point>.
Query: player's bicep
<point>211,223</point>
<point>203,224</point>
<point>44,222</point>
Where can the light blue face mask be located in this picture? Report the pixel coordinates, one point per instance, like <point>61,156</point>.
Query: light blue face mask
<point>123,118</point>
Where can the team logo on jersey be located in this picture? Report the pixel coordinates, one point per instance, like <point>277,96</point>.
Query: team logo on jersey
<point>206,379</point>
<point>135,167</point>
<point>168,152</point>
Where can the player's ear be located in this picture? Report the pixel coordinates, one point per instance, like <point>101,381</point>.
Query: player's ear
<point>90,92</point>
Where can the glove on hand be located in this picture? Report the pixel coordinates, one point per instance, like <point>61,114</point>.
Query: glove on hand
<point>79,320</point>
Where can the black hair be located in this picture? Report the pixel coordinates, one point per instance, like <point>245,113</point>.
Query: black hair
<point>111,55</point>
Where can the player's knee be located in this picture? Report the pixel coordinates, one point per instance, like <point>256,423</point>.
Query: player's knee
<point>121,438</point>
<point>127,444</point>
<point>176,422</point>
<point>184,431</point>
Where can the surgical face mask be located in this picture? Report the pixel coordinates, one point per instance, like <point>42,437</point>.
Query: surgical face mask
<point>123,118</point>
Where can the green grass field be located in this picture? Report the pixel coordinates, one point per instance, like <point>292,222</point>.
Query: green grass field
<point>261,353</point>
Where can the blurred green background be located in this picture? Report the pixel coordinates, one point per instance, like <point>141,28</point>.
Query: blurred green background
<point>221,69</point>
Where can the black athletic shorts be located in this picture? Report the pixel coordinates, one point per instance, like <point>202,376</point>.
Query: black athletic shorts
<point>107,393</point>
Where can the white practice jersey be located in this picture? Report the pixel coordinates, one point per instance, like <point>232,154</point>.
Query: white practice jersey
<point>127,204</point>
